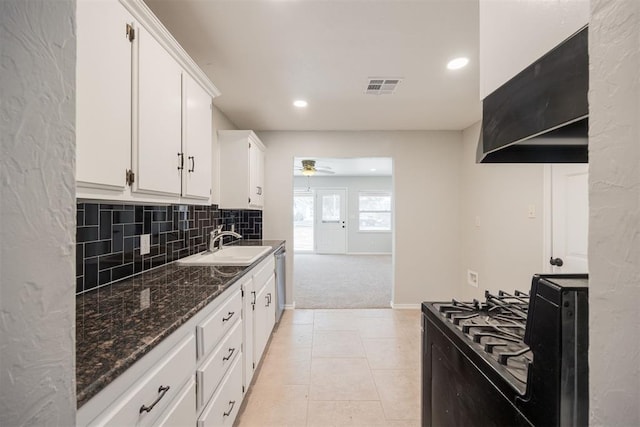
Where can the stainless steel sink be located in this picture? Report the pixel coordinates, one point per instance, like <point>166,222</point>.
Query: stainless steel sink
<point>228,255</point>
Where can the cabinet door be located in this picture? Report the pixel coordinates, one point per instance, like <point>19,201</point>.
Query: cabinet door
<point>270,319</point>
<point>197,140</point>
<point>262,326</point>
<point>256,176</point>
<point>103,95</point>
<point>158,156</point>
<point>248,333</point>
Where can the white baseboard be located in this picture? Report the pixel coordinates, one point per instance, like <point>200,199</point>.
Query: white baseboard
<point>405,306</point>
<point>290,306</point>
<point>368,253</point>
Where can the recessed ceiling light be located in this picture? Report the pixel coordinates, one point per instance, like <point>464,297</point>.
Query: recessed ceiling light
<point>373,169</point>
<point>300,103</point>
<point>457,63</point>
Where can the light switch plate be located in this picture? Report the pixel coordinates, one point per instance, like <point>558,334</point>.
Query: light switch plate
<point>472,278</point>
<point>145,244</point>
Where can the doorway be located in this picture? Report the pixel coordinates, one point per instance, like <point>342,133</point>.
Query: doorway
<point>331,228</point>
<point>343,233</point>
<point>569,219</point>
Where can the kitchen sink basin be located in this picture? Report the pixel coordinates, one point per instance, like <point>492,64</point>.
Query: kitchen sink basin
<point>228,255</point>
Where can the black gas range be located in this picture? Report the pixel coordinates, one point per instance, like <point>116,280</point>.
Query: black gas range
<point>514,359</point>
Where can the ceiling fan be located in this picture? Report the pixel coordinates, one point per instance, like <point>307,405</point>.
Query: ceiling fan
<point>309,168</point>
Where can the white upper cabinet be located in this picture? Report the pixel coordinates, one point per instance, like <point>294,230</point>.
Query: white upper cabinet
<point>514,34</point>
<point>256,174</point>
<point>158,159</point>
<point>241,170</point>
<point>196,142</point>
<point>144,119</point>
<point>103,95</point>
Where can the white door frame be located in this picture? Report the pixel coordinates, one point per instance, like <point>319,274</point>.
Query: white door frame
<point>547,220</point>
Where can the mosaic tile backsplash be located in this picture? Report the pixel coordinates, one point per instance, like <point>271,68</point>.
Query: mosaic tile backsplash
<point>108,237</point>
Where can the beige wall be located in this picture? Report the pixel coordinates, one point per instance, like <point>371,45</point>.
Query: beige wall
<point>498,240</point>
<point>426,184</point>
<point>614,213</point>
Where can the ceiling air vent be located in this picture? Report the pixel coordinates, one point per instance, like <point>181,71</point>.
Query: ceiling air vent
<point>382,86</point>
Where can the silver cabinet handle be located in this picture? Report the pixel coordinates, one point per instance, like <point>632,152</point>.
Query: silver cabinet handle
<point>193,164</point>
<point>259,191</point>
<point>162,390</point>
<point>229,316</point>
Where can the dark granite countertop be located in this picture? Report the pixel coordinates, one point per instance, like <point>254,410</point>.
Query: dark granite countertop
<point>113,332</point>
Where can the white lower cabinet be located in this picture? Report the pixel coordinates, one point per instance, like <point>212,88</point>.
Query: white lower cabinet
<point>260,315</point>
<point>200,373</point>
<point>182,411</point>
<point>154,391</point>
<point>223,407</point>
<point>219,323</point>
<point>216,365</point>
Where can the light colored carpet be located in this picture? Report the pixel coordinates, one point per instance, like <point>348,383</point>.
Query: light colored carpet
<point>342,281</point>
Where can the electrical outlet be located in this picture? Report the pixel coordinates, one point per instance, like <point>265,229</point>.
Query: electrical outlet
<point>477,221</point>
<point>472,278</point>
<point>145,299</point>
<point>145,244</point>
<point>532,211</point>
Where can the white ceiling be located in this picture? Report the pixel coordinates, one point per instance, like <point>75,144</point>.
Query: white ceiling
<point>264,54</point>
<point>360,166</point>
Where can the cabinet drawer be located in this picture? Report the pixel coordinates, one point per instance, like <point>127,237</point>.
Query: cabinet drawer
<point>182,411</point>
<point>263,272</point>
<point>214,327</point>
<point>155,391</point>
<point>223,408</point>
<point>214,368</point>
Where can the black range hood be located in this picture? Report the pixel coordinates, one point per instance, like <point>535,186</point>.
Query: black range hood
<point>541,114</point>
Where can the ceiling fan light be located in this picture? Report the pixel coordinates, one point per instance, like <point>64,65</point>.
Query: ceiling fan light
<point>308,172</point>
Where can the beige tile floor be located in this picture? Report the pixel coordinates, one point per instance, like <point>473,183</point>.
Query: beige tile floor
<point>339,368</point>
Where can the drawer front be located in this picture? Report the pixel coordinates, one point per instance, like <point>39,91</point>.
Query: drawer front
<point>182,411</point>
<point>155,390</point>
<point>215,366</point>
<point>218,324</point>
<point>223,408</point>
<point>263,272</point>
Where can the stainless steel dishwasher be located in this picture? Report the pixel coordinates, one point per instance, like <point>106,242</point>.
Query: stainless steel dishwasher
<point>281,268</point>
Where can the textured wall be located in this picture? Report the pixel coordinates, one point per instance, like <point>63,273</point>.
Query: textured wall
<point>505,246</point>
<point>426,183</point>
<point>614,217</point>
<point>37,169</point>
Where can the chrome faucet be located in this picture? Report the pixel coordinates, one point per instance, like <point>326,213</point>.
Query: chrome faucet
<point>217,235</point>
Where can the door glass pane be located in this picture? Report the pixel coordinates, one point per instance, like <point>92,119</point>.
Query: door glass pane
<point>303,222</point>
<point>331,208</point>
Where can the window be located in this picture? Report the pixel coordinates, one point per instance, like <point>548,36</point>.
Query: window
<point>374,211</point>
<point>303,208</point>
